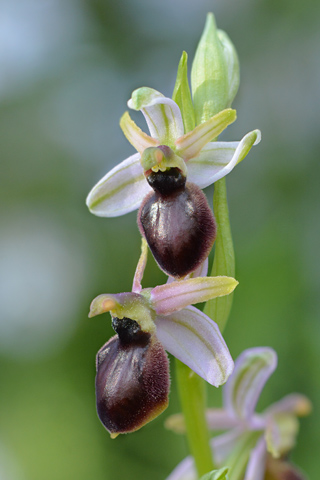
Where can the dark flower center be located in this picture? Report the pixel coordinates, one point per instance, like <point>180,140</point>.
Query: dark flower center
<point>129,332</point>
<point>167,182</point>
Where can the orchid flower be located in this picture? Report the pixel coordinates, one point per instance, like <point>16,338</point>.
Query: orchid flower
<point>132,380</point>
<point>122,189</point>
<point>255,443</point>
<point>174,216</point>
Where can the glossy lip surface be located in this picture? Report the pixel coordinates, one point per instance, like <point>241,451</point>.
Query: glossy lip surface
<point>180,229</point>
<point>132,382</point>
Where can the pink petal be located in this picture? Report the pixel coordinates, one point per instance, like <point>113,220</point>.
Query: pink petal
<point>174,296</point>
<point>195,339</point>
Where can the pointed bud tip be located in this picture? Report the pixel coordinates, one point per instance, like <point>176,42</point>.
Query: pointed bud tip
<point>210,23</point>
<point>215,72</point>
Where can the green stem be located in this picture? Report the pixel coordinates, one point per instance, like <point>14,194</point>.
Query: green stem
<point>224,260</point>
<point>192,391</point>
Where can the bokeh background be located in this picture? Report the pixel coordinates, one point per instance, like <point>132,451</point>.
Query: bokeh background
<point>67,68</point>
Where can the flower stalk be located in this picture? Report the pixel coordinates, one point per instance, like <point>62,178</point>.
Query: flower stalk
<point>192,392</point>
<point>224,258</point>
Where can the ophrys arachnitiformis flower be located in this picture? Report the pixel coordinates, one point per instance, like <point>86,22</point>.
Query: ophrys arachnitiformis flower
<point>165,177</point>
<point>132,382</point>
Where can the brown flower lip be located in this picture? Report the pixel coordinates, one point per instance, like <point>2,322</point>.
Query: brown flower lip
<point>177,223</point>
<point>132,381</point>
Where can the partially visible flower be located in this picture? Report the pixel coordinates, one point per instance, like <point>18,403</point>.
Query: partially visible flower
<point>132,382</point>
<point>156,178</point>
<point>256,445</point>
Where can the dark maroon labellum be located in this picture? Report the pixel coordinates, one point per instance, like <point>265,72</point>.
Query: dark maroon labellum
<point>177,223</point>
<point>132,382</point>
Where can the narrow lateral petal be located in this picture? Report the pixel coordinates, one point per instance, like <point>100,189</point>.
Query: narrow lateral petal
<point>120,191</point>
<point>174,296</point>
<point>257,462</point>
<point>136,286</point>
<point>162,114</point>
<point>138,139</point>
<point>195,339</point>
<point>192,143</point>
<point>217,159</point>
<point>185,470</point>
<point>252,369</point>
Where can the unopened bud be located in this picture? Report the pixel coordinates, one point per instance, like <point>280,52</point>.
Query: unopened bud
<point>215,72</point>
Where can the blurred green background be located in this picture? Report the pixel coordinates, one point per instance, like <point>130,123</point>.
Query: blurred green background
<point>67,69</point>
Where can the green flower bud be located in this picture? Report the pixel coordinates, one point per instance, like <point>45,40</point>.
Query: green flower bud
<point>215,72</point>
